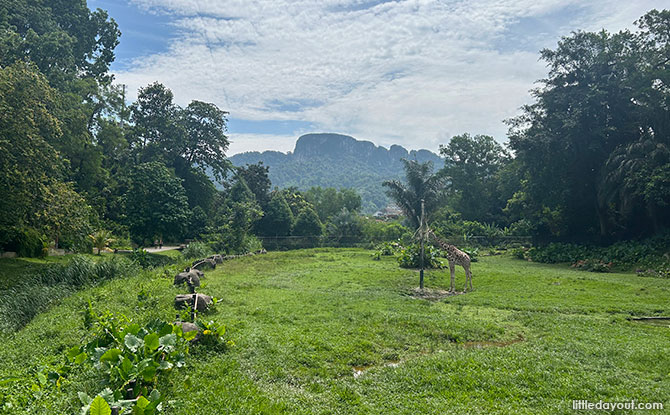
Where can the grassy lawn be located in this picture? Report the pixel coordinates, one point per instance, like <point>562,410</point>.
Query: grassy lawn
<point>529,339</point>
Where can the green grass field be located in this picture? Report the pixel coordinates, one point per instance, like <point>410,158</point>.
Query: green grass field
<point>528,340</point>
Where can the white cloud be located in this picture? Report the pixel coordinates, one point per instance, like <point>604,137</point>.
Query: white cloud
<point>410,72</point>
<point>240,143</point>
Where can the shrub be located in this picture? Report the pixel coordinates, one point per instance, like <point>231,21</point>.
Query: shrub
<point>651,253</point>
<point>521,227</point>
<point>593,265</point>
<point>250,243</point>
<point>410,257</point>
<point>520,253</point>
<point>197,250</point>
<point>388,248</point>
<point>146,260</point>
<point>473,253</point>
<point>128,360</point>
<point>558,252</point>
<point>377,231</point>
<point>26,242</point>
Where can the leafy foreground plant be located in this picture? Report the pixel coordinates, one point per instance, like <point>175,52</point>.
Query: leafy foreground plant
<point>130,358</point>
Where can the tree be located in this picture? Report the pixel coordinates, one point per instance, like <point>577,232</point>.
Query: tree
<point>156,204</point>
<point>63,38</point>
<point>205,143</point>
<point>277,218</point>
<point>194,136</point>
<point>329,201</point>
<point>307,223</point>
<point>604,93</point>
<point>28,163</point>
<point>471,168</point>
<point>236,212</point>
<point>65,215</point>
<point>345,224</point>
<point>157,133</point>
<point>421,184</point>
<point>256,176</point>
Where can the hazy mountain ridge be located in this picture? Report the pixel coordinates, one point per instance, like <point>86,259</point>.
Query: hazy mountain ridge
<point>336,160</point>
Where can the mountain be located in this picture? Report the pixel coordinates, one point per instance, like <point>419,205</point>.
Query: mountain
<point>336,160</point>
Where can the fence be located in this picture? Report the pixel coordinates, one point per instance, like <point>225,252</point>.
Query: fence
<point>283,243</point>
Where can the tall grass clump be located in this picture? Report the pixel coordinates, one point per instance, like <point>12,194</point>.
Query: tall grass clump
<point>22,302</point>
<point>197,250</point>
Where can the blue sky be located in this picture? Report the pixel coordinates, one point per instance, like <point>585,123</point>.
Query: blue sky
<point>408,72</point>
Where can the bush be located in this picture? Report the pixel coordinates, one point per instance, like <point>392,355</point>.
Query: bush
<point>146,260</point>
<point>473,253</point>
<point>376,231</point>
<point>197,250</point>
<point>519,253</point>
<point>410,257</point>
<point>593,265</point>
<point>651,253</point>
<point>521,227</point>
<point>388,248</point>
<point>26,242</point>
<point>558,252</point>
<point>250,244</point>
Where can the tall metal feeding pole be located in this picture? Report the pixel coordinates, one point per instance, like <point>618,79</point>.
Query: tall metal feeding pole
<point>422,233</point>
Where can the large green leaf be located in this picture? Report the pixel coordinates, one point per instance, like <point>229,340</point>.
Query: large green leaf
<point>126,366</point>
<point>168,341</point>
<point>148,373</point>
<point>80,358</point>
<point>151,341</point>
<point>132,342</point>
<point>111,355</point>
<point>73,352</point>
<point>100,407</point>
<point>142,402</point>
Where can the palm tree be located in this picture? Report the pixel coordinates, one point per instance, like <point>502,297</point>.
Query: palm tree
<point>629,177</point>
<point>421,183</point>
<point>101,239</point>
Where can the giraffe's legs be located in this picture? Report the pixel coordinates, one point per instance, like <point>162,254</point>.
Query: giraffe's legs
<point>468,277</point>
<point>452,271</point>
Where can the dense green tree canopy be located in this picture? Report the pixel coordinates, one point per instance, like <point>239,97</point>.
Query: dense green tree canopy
<point>330,201</point>
<point>277,219</point>
<point>156,204</point>
<point>29,126</point>
<point>307,223</point>
<point>64,38</point>
<point>579,145</point>
<point>472,167</point>
<point>194,136</point>
<point>256,177</point>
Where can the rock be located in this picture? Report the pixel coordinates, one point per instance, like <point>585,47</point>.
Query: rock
<point>186,326</point>
<point>207,262</point>
<point>184,277</point>
<point>189,278</point>
<point>189,300</point>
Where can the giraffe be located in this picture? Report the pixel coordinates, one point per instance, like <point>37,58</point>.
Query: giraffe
<point>455,257</point>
